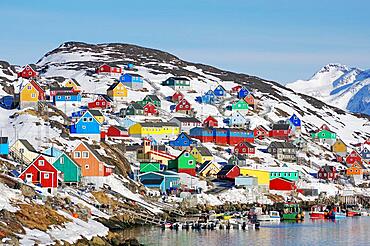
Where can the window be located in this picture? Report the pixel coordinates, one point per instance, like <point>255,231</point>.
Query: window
<point>33,95</point>
<point>84,119</point>
<point>190,162</point>
<point>61,160</point>
<point>83,127</point>
<point>103,103</point>
<point>46,176</point>
<point>41,162</point>
<point>87,166</point>
<point>90,119</point>
<point>97,103</point>
<point>29,87</point>
<point>85,154</point>
<point>29,176</point>
<point>29,73</point>
<point>77,154</point>
<point>186,154</point>
<point>59,97</point>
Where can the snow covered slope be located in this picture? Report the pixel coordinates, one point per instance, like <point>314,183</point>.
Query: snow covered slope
<point>339,86</point>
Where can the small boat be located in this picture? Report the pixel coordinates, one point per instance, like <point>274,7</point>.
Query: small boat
<point>336,213</point>
<point>351,213</point>
<point>317,212</point>
<point>364,212</point>
<point>292,211</point>
<point>166,225</point>
<point>273,216</point>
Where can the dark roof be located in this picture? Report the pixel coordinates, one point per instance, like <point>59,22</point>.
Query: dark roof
<point>106,97</point>
<point>135,75</point>
<point>204,165</point>
<point>112,86</point>
<point>328,169</point>
<point>67,93</point>
<point>120,128</point>
<point>3,140</point>
<point>58,88</point>
<point>158,124</point>
<point>135,105</point>
<point>33,66</point>
<point>225,169</point>
<point>95,112</point>
<point>132,147</point>
<point>239,156</point>
<point>27,145</point>
<point>187,119</point>
<point>179,78</point>
<point>280,127</point>
<point>96,153</point>
<point>249,145</point>
<point>204,151</point>
<point>155,181</point>
<point>75,81</point>
<point>153,97</point>
<point>283,145</point>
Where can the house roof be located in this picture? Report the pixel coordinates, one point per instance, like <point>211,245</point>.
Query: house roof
<point>156,181</point>
<point>58,88</point>
<point>74,81</point>
<point>27,145</point>
<point>153,97</point>
<point>283,145</point>
<point>112,86</point>
<point>328,169</point>
<point>248,145</point>
<point>94,152</point>
<point>61,93</point>
<point>239,157</point>
<point>280,127</point>
<point>187,119</point>
<point>165,173</point>
<point>106,97</point>
<point>225,169</point>
<point>95,112</point>
<point>204,165</point>
<point>158,124</point>
<point>119,128</point>
<point>135,105</point>
<point>204,151</point>
<point>179,78</point>
<point>3,140</point>
<point>134,75</point>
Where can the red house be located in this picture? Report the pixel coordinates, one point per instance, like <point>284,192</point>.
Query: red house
<point>228,172</point>
<point>244,148</point>
<point>281,131</point>
<point>282,184</point>
<point>108,69</point>
<point>236,89</point>
<point>250,99</point>
<point>353,157</point>
<point>210,122</point>
<point>41,172</point>
<point>183,107</point>
<point>177,97</point>
<point>116,132</point>
<point>39,89</point>
<point>150,109</point>
<point>101,102</point>
<point>29,71</point>
<point>261,132</point>
<point>328,173</point>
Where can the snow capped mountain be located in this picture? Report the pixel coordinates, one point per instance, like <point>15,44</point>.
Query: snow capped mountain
<point>339,86</point>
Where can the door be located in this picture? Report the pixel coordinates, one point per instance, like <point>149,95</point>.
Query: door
<point>29,178</point>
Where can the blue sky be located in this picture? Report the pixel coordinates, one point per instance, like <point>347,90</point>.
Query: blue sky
<point>279,40</point>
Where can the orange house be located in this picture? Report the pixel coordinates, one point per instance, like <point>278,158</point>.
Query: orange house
<point>356,169</point>
<point>90,161</point>
<point>250,99</point>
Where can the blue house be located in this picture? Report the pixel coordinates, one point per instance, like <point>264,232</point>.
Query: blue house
<point>4,146</point>
<point>86,124</point>
<point>365,153</point>
<point>8,102</point>
<point>183,140</point>
<point>295,121</point>
<point>209,97</point>
<point>54,152</point>
<point>132,80</point>
<point>67,97</point>
<point>164,181</point>
<point>243,92</point>
<point>220,91</point>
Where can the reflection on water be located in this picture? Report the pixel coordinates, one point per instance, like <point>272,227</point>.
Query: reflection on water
<point>349,231</point>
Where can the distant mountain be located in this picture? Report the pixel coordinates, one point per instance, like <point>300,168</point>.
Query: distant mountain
<point>340,86</point>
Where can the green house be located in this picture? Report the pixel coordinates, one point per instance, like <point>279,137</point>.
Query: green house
<point>177,83</point>
<point>70,170</point>
<point>240,105</point>
<point>185,162</point>
<point>324,134</point>
<point>283,172</point>
<point>150,167</point>
<point>150,98</point>
<point>134,109</point>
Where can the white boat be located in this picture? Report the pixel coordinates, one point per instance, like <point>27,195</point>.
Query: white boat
<point>273,216</point>
<point>364,212</point>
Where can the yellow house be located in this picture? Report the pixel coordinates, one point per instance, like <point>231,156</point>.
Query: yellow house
<point>201,154</point>
<point>30,94</point>
<point>24,151</point>
<point>72,83</point>
<point>209,168</point>
<point>117,91</point>
<point>97,115</point>
<point>155,130</point>
<point>339,147</point>
<point>263,176</point>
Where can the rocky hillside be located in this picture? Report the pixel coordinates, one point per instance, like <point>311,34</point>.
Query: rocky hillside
<point>340,86</point>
